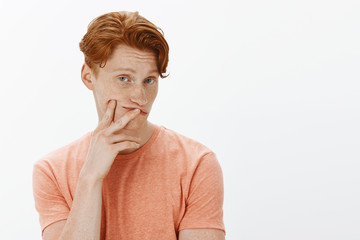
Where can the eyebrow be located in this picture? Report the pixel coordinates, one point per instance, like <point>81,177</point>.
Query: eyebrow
<point>133,71</point>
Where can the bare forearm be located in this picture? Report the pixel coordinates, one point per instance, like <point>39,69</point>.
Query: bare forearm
<point>84,220</point>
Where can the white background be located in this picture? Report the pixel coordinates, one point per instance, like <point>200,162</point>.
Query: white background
<point>271,86</point>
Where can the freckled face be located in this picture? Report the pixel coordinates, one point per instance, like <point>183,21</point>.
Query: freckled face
<point>130,77</point>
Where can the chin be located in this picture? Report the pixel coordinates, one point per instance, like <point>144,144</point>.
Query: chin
<point>135,124</point>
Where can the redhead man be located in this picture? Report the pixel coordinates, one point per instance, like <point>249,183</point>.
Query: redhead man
<point>128,179</point>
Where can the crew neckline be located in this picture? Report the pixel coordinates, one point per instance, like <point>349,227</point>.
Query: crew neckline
<point>142,148</point>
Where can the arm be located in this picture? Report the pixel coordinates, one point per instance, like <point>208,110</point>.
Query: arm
<point>203,217</point>
<point>201,234</point>
<point>85,215</point>
<point>84,219</point>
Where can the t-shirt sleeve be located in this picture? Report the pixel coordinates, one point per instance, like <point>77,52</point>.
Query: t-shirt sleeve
<point>49,202</point>
<point>204,205</point>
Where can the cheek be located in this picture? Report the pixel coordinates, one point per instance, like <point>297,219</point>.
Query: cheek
<point>105,94</point>
<point>152,94</point>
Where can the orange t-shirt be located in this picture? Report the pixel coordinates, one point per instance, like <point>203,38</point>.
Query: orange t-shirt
<point>169,184</point>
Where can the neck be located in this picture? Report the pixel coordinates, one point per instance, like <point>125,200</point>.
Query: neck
<point>144,133</point>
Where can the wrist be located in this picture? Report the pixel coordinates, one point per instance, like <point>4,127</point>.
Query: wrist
<point>89,178</point>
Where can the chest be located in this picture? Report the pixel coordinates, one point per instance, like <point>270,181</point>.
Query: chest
<point>143,198</point>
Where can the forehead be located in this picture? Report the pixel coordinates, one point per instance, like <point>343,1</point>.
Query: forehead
<point>126,56</point>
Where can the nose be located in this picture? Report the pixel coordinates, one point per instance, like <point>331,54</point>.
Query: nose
<point>138,95</point>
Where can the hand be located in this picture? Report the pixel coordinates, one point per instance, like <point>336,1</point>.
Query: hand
<point>107,141</point>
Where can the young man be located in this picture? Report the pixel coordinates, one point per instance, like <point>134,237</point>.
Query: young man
<point>129,178</point>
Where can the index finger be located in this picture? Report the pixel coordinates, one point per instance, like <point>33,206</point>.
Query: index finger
<point>109,114</point>
<point>124,120</point>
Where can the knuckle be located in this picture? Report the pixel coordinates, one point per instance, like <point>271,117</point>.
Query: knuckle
<point>102,135</point>
<point>105,133</point>
<point>133,144</point>
<point>107,116</point>
<point>112,148</point>
<point>119,122</point>
<point>128,144</point>
<point>125,145</point>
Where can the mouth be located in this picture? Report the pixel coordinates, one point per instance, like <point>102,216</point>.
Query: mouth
<point>141,111</point>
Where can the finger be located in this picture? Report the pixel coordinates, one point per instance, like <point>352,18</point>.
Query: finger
<point>125,145</point>
<point>109,114</point>
<point>125,119</point>
<point>115,138</point>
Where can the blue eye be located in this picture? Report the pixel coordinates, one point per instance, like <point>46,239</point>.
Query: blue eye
<point>149,80</point>
<point>123,79</point>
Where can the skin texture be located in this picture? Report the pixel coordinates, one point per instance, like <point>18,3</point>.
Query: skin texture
<point>84,219</point>
<point>129,79</point>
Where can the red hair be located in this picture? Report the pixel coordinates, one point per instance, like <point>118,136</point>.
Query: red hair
<point>111,29</point>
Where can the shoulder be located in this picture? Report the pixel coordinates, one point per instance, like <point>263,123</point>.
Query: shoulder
<point>186,148</point>
<point>178,140</point>
<point>72,153</point>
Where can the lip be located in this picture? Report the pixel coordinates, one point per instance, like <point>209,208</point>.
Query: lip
<point>141,110</point>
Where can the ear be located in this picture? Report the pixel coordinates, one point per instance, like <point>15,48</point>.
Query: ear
<point>87,76</point>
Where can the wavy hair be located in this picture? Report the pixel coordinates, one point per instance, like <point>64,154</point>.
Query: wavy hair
<point>109,30</point>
